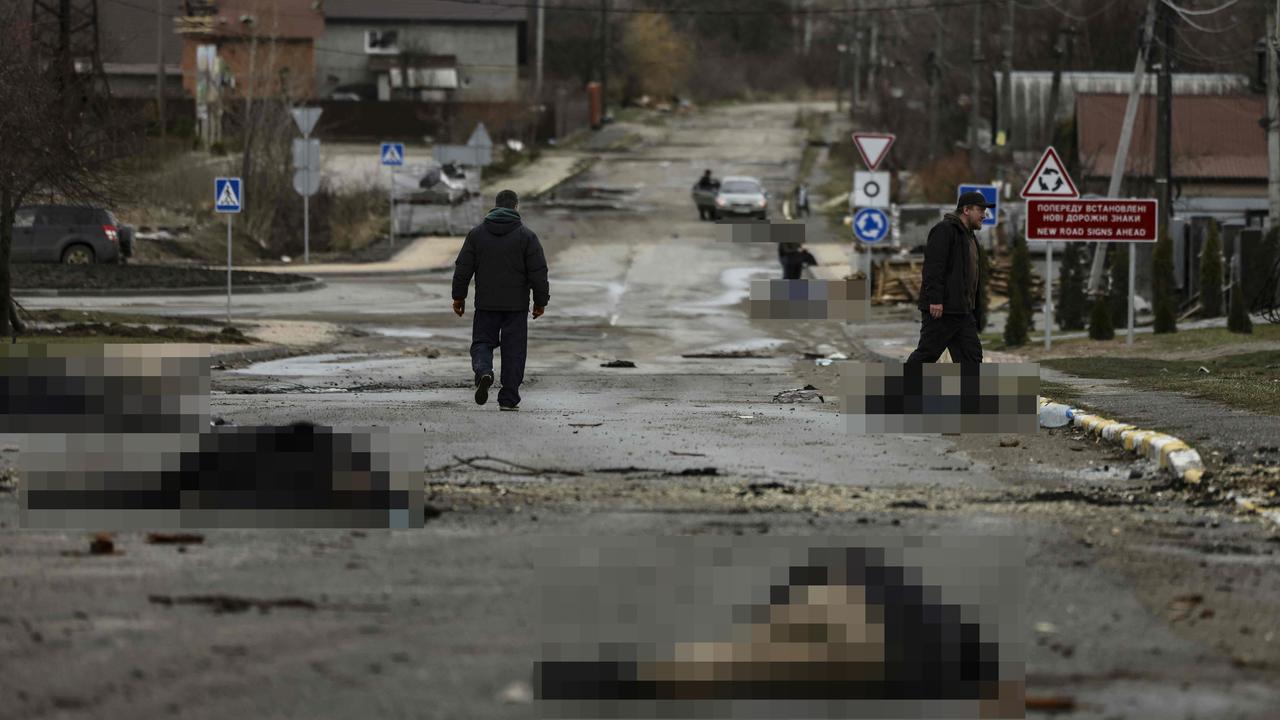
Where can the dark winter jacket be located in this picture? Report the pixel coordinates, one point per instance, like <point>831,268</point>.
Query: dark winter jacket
<point>507,261</point>
<point>946,279</point>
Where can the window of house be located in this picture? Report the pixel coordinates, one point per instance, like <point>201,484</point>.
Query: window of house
<point>382,42</point>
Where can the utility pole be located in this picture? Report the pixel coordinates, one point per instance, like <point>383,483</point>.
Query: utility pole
<point>604,59</point>
<point>1062,48</point>
<point>1006,84</point>
<point>1122,147</point>
<point>843,48</point>
<point>975,82</point>
<point>541,27</point>
<point>1164,122</point>
<point>160,18</point>
<point>855,94</point>
<point>873,68</point>
<point>1273,119</point>
<point>934,75</point>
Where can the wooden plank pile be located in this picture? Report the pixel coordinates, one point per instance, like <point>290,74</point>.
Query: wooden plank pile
<point>897,280</point>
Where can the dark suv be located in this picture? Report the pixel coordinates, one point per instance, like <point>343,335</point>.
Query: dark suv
<point>68,234</point>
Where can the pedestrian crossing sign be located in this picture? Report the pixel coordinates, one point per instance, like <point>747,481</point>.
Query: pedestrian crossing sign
<point>227,197</point>
<point>392,154</point>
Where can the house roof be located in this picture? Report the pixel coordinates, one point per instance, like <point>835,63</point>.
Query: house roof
<point>1214,137</point>
<point>426,10</point>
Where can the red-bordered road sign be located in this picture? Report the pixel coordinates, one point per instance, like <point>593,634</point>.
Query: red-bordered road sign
<point>873,147</point>
<point>1050,179</point>
<point>1099,220</point>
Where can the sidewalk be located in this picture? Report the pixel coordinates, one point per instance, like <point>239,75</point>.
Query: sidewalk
<point>422,255</point>
<point>552,169</point>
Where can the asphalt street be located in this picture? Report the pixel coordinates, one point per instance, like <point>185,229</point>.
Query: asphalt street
<point>1139,602</point>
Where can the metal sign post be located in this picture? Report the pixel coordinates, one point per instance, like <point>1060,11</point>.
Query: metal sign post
<point>1133,275</point>
<point>1048,296</point>
<point>305,119</point>
<point>392,155</point>
<point>228,198</point>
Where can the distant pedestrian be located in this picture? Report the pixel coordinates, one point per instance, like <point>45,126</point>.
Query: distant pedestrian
<point>802,200</point>
<point>507,261</point>
<point>949,286</point>
<point>794,259</point>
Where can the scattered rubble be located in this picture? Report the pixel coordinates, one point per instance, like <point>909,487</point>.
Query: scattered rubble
<point>807,393</point>
<point>618,364</point>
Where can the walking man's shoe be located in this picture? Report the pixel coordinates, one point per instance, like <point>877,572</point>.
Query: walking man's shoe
<point>509,407</point>
<point>482,388</point>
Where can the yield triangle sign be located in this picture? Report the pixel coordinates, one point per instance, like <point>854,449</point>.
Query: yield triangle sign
<point>480,137</point>
<point>873,147</point>
<point>1050,179</point>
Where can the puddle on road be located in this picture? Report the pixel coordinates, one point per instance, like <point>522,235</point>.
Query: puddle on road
<point>313,365</point>
<point>402,332</point>
<point>738,284</point>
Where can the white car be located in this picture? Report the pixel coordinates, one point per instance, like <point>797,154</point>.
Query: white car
<point>741,196</point>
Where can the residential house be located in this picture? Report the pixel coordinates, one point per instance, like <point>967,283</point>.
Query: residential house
<point>258,48</point>
<point>1219,149</point>
<point>433,50</point>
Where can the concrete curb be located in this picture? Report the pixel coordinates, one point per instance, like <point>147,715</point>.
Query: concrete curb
<point>200,290</point>
<point>579,167</point>
<point>1168,452</point>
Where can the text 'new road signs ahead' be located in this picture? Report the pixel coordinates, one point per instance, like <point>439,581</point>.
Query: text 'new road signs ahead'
<point>992,194</point>
<point>870,225</point>
<point>227,197</point>
<point>1049,179</point>
<point>1102,220</point>
<point>873,147</point>
<point>392,154</point>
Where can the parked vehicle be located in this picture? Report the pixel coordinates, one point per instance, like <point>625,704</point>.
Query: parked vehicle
<point>67,234</point>
<point>741,196</point>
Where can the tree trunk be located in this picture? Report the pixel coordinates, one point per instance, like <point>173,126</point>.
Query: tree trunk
<point>6,242</point>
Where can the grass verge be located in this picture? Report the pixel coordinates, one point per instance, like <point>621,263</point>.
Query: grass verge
<point>1249,381</point>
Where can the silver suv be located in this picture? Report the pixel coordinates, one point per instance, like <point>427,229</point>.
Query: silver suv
<point>67,234</point>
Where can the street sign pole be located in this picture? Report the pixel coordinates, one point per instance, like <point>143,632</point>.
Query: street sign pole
<point>391,197</point>
<point>1048,296</point>
<point>306,223</point>
<point>1133,274</point>
<point>229,268</point>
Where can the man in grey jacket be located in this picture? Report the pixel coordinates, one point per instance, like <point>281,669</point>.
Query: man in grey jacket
<point>507,261</point>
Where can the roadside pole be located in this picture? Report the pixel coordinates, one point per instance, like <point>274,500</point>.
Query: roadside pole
<point>392,157</point>
<point>228,269</point>
<point>1048,296</point>
<point>228,198</point>
<point>306,222</point>
<point>1133,274</point>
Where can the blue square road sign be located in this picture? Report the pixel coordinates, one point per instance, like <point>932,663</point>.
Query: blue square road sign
<point>392,154</point>
<point>227,195</point>
<point>992,194</point>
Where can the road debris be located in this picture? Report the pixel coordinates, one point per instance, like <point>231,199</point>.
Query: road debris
<point>730,355</point>
<point>582,425</point>
<point>102,544</point>
<point>175,538</point>
<point>804,394</point>
<point>1051,703</point>
<point>686,454</point>
<point>618,364</point>
<point>518,692</point>
<point>223,604</point>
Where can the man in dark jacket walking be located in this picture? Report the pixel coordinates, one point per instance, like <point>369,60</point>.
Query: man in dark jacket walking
<point>949,288</point>
<point>507,261</point>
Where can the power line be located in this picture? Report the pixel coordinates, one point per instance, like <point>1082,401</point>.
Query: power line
<point>1188,11</point>
<point>1183,14</point>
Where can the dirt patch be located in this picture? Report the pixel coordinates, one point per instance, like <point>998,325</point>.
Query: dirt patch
<point>101,277</point>
<point>133,333</point>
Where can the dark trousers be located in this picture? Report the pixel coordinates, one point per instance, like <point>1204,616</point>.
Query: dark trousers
<point>955,332</point>
<point>508,330</point>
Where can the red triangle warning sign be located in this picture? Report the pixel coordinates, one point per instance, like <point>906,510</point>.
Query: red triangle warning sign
<point>1050,179</point>
<point>873,147</point>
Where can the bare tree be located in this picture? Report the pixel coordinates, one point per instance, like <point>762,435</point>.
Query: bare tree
<point>57,142</point>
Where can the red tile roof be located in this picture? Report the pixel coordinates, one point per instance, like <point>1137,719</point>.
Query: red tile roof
<point>1214,137</point>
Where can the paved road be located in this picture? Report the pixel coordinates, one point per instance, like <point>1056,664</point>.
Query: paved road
<point>1138,603</point>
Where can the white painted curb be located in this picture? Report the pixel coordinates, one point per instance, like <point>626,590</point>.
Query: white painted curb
<point>1168,452</point>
